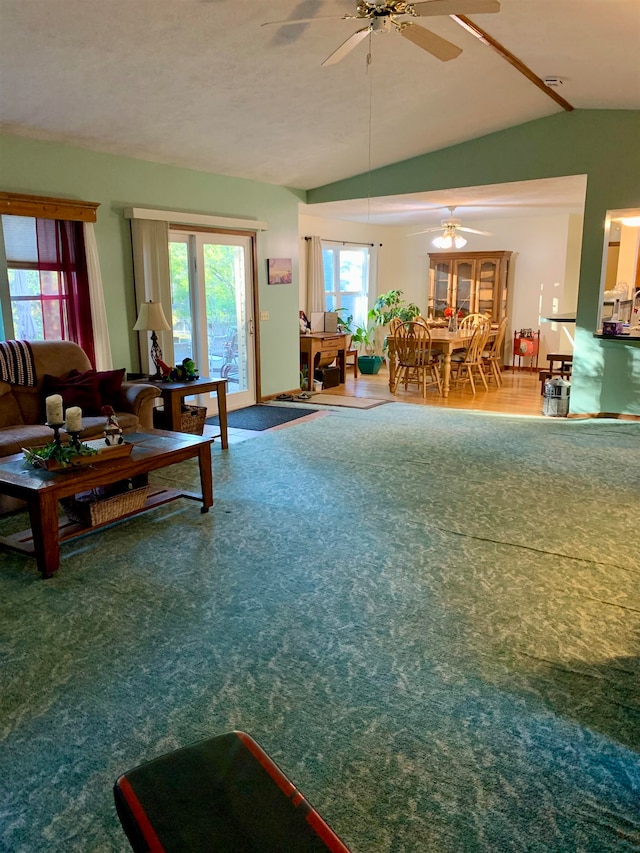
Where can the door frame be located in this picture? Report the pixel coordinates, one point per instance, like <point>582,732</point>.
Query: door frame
<point>253,238</point>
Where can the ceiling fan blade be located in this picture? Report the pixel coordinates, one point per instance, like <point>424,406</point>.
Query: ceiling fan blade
<point>303,20</point>
<point>347,46</point>
<point>434,44</point>
<point>474,231</point>
<point>426,231</point>
<point>456,7</point>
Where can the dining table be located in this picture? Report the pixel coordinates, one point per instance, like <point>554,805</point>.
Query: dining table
<point>444,341</point>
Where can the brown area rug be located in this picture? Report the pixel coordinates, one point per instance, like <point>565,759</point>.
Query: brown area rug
<point>349,402</point>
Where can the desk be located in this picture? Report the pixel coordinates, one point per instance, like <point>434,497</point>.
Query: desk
<point>444,341</point>
<point>323,344</point>
<point>173,393</point>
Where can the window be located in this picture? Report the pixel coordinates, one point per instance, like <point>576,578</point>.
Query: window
<point>346,280</point>
<point>48,288</point>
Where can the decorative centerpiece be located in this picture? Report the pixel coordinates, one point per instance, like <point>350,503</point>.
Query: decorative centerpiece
<point>112,429</point>
<point>55,455</point>
<point>60,456</point>
<point>453,316</point>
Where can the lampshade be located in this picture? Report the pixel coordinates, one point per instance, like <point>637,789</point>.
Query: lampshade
<point>151,318</point>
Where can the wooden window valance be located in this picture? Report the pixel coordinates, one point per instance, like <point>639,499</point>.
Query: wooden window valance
<point>47,207</point>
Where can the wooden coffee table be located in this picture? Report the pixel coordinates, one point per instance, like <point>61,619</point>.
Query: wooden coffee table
<point>43,489</point>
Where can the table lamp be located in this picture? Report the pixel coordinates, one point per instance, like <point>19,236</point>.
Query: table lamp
<point>151,319</point>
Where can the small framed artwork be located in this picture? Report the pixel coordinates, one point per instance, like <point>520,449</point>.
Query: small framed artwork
<point>279,271</point>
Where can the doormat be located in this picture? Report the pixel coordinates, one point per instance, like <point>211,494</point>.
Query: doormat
<point>260,417</point>
<point>348,402</point>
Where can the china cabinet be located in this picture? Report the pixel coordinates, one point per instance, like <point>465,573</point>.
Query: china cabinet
<point>474,282</point>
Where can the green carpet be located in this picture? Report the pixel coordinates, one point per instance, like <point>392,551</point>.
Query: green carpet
<point>429,619</point>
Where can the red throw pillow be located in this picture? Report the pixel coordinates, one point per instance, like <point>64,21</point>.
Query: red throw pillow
<point>76,389</point>
<point>109,384</point>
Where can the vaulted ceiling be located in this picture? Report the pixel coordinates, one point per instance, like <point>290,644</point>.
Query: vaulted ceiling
<point>201,84</point>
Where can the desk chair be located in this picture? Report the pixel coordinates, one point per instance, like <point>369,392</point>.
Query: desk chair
<point>351,358</point>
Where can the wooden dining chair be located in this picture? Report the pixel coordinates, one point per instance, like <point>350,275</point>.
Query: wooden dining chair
<point>471,321</point>
<point>422,321</point>
<point>414,360</point>
<point>493,353</point>
<point>471,359</point>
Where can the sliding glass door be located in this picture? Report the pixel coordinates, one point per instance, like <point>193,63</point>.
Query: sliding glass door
<point>212,309</point>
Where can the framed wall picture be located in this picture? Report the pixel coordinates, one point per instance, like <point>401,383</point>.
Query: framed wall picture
<point>279,271</point>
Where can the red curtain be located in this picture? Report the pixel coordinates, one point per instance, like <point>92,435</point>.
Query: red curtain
<point>64,284</point>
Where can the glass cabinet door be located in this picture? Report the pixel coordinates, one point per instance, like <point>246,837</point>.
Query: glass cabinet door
<point>470,281</point>
<point>441,287</point>
<point>465,289</point>
<point>486,288</point>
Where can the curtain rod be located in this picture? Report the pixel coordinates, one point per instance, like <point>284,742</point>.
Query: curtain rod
<point>345,242</point>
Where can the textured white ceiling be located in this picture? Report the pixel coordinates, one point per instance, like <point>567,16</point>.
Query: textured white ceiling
<point>199,83</point>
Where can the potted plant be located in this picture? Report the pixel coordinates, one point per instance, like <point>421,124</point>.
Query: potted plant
<point>387,306</point>
<point>364,337</point>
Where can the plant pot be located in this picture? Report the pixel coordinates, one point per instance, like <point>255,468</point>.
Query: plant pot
<point>369,363</point>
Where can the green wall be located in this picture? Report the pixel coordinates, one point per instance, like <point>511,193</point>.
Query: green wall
<point>602,144</point>
<point>44,168</point>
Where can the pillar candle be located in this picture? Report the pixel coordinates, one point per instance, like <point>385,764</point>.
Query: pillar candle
<point>74,419</point>
<point>53,405</point>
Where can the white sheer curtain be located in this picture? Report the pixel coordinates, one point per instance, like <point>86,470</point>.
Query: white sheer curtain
<point>315,276</point>
<point>150,240</point>
<point>101,342</point>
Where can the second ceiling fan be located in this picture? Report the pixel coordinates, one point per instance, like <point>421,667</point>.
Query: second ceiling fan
<point>394,14</point>
<point>450,237</point>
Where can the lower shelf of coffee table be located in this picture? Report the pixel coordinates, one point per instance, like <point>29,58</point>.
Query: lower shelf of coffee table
<point>23,541</point>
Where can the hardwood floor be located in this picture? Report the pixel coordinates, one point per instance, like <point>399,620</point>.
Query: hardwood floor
<point>519,395</point>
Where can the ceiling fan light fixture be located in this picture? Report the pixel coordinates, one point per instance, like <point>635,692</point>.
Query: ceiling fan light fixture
<point>449,239</point>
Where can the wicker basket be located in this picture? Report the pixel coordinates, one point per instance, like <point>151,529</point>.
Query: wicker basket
<point>192,419</point>
<point>92,508</point>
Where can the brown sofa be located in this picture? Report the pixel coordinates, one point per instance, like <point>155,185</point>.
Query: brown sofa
<point>22,408</point>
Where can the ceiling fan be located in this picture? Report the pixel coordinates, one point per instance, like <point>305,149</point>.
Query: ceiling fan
<point>383,17</point>
<point>450,236</point>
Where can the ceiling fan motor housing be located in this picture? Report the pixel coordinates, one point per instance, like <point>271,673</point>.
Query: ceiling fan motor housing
<point>366,9</point>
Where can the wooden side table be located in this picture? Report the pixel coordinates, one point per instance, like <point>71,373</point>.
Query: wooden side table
<point>173,393</point>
